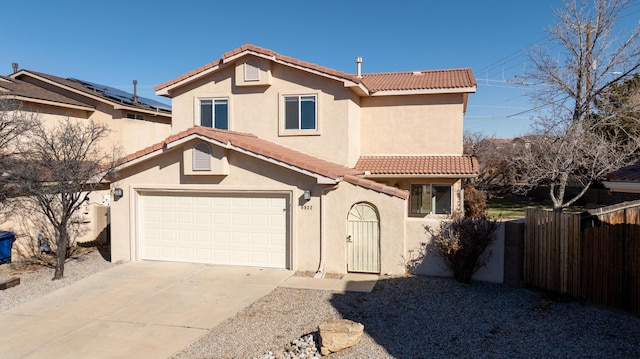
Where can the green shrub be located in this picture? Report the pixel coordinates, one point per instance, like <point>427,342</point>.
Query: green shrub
<point>462,243</point>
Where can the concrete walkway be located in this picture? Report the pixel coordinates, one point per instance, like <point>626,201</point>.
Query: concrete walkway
<point>134,310</point>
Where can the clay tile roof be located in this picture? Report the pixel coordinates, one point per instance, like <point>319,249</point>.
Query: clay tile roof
<point>630,173</point>
<point>263,51</point>
<point>261,147</point>
<point>420,80</point>
<point>16,87</point>
<point>398,81</point>
<point>419,165</point>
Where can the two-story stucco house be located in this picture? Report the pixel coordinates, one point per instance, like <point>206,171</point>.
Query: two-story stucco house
<point>277,162</point>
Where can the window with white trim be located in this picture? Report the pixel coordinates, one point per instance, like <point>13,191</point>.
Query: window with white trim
<point>300,112</point>
<point>214,112</point>
<point>429,198</point>
<point>202,157</point>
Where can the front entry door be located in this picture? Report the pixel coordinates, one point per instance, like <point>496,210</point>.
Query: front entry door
<point>363,239</point>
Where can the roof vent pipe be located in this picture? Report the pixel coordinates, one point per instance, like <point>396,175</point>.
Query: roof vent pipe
<point>135,93</point>
<point>359,65</point>
<point>15,67</point>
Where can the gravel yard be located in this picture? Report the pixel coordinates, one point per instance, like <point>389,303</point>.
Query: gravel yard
<point>35,280</point>
<point>404,317</point>
<point>422,317</point>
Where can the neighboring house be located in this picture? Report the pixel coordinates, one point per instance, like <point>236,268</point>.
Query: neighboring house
<point>277,162</point>
<point>134,121</point>
<point>625,179</point>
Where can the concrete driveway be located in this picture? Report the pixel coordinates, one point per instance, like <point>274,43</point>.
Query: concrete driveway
<point>134,310</point>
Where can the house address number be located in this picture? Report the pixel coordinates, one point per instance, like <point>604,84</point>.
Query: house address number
<point>307,207</point>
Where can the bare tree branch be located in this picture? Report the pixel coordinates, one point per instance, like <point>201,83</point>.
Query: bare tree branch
<point>579,139</point>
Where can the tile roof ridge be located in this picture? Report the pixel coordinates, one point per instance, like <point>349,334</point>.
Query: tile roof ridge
<point>412,155</point>
<point>408,72</point>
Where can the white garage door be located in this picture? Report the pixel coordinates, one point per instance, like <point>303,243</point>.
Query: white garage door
<point>236,229</point>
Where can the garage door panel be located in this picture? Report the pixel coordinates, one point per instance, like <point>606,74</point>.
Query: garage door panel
<point>240,219</point>
<point>219,229</point>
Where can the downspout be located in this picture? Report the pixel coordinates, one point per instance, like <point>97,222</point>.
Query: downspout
<point>320,272</point>
<point>461,199</point>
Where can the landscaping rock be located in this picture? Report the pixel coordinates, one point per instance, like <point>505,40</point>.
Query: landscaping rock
<point>338,335</point>
<point>9,283</point>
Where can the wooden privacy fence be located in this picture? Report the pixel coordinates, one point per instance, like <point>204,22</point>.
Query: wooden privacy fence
<point>594,257</point>
<point>552,251</point>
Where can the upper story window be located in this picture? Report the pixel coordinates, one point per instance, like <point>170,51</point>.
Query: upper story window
<point>252,70</point>
<point>214,113</point>
<point>300,113</point>
<point>430,199</point>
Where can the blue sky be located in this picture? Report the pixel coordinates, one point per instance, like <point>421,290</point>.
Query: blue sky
<point>115,42</point>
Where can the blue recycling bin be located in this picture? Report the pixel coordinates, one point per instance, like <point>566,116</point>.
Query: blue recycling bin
<point>6,242</point>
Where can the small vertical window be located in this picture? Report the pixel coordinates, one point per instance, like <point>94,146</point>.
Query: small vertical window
<point>215,113</point>
<point>202,157</point>
<point>300,113</point>
<point>252,70</point>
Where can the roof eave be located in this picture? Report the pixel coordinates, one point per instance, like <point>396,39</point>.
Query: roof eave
<point>320,179</point>
<point>462,90</point>
<point>418,175</point>
<point>628,187</point>
<point>51,82</point>
<point>157,112</point>
<point>166,91</point>
<point>48,102</point>
<point>358,88</point>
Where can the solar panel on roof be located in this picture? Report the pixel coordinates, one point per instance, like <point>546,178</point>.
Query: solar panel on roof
<point>123,96</point>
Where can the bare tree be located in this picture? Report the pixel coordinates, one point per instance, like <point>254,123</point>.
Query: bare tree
<point>15,121</point>
<point>62,163</point>
<point>567,144</point>
<point>492,154</point>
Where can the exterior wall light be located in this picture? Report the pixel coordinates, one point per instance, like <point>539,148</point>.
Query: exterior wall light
<point>117,193</point>
<point>307,195</point>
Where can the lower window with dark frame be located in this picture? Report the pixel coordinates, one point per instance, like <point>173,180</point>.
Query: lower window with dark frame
<point>429,198</point>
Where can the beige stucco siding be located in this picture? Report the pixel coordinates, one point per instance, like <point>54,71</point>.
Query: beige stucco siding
<point>431,264</point>
<point>391,212</point>
<point>324,216</point>
<point>126,135</point>
<point>246,175</point>
<point>258,110</point>
<point>412,125</point>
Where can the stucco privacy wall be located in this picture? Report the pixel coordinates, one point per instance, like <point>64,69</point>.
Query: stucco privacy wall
<point>433,265</point>
<point>390,124</point>
<point>258,110</point>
